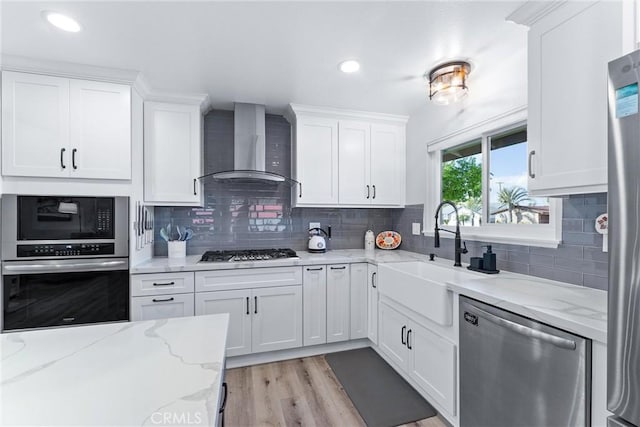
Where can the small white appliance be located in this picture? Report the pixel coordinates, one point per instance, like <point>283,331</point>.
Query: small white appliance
<point>317,242</point>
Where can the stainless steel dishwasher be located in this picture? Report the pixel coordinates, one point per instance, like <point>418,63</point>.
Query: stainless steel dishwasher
<point>516,372</point>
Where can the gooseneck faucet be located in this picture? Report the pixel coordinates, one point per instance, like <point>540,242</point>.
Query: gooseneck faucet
<point>459,250</point>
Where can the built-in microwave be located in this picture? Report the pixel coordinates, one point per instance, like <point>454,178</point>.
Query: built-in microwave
<point>53,227</point>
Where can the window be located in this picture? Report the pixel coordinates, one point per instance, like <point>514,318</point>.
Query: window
<point>486,179</point>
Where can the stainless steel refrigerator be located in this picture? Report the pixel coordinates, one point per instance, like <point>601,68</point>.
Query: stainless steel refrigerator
<point>623,338</point>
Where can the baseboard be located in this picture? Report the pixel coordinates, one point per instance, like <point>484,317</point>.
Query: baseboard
<point>294,353</point>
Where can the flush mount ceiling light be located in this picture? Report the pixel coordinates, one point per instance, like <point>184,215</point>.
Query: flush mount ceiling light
<point>349,66</point>
<point>448,82</point>
<point>63,22</point>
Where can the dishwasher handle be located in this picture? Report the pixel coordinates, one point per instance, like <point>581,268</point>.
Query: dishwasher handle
<point>527,331</point>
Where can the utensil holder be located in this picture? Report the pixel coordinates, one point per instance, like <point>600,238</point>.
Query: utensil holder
<point>177,249</point>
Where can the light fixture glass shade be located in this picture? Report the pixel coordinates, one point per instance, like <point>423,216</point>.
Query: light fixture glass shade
<point>448,82</point>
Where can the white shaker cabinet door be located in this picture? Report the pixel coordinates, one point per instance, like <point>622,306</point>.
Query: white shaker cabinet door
<point>392,335</point>
<point>100,130</point>
<point>35,125</point>
<point>338,302</point>
<point>359,283</point>
<point>316,161</point>
<point>238,305</point>
<point>172,154</point>
<point>277,318</point>
<point>387,164</point>
<point>433,365</point>
<point>372,303</point>
<point>354,164</point>
<point>161,306</point>
<point>567,124</point>
<point>314,303</point>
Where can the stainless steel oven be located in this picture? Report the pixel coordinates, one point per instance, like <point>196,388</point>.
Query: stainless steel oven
<point>64,261</point>
<point>53,227</point>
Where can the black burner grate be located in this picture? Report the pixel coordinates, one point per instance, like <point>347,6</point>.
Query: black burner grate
<point>247,255</point>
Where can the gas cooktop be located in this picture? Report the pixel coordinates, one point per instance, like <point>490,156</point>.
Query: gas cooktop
<point>247,255</point>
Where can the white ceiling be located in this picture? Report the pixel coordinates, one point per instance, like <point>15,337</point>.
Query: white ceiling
<point>274,53</point>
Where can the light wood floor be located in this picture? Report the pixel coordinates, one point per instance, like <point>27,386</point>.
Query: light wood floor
<point>291,393</point>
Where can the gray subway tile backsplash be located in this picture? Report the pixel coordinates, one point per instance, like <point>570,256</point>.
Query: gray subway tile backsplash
<point>260,215</point>
<point>578,259</point>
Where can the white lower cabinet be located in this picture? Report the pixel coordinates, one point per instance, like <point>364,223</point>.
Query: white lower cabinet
<point>338,302</point>
<point>261,319</point>
<point>277,318</point>
<point>161,295</point>
<point>427,358</point>
<point>237,304</point>
<point>372,303</point>
<point>161,306</point>
<point>314,304</point>
<point>358,301</point>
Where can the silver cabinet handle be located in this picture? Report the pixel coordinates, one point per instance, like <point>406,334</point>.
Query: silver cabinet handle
<point>527,331</point>
<point>300,184</point>
<point>162,300</point>
<point>315,269</point>
<point>195,192</point>
<point>339,268</point>
<point>368,191</point>
<point>374,191</point>
<point>373,279</point>
<point>531,173</point>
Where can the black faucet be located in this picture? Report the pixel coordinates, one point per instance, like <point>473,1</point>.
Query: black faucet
<point>459,250</point>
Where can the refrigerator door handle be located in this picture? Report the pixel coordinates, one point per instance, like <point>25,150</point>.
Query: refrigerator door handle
<point>527,331</point>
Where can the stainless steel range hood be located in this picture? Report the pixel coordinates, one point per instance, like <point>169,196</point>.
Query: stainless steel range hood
<point>249,147</point>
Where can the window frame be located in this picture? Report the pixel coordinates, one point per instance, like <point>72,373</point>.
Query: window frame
<point>543,235</point>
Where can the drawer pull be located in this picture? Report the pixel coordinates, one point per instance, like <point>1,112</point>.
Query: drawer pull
<point>339,268</point>
<point>315,269</point>
<point>164,284</point>
<point>163,300</point>
<point>404,328</point>
<point>373,279</point>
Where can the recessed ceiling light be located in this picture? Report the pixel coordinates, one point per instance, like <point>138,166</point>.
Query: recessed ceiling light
<point>349,66</point>
<point>61,21</point>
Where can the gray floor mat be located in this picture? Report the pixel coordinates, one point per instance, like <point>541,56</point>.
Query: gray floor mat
<point>381,396</point>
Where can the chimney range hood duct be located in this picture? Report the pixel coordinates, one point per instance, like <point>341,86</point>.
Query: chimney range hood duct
<point>249,148</point>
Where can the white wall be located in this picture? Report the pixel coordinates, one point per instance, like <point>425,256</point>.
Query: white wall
<point>497,84</point>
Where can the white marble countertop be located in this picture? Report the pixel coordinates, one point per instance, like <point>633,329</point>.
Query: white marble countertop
<point>118,374</point>
<point>190,263</point>
<point>574,308</point>
<point>577,309</point>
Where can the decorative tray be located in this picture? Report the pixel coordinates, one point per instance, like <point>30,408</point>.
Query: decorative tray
<point>388,240</point>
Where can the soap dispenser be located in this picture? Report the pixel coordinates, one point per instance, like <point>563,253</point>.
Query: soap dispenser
<point>489,260</point>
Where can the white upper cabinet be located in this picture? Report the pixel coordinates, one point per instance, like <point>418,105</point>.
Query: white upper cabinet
<point>347,158</point>
<point>58,127</point>
<point>387,164</point>
<point>172,154</point>
<point>567,128</point>
<point>100,132</point>
<point>316,161</point>
<point>355,165</point>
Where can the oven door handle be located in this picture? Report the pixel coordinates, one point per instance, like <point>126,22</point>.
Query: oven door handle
<point>65,267</point>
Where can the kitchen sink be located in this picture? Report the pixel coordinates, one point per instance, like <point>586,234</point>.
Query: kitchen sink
<point>422,287</point>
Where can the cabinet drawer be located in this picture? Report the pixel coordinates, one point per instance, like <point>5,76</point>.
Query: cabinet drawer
<point>161,284</point>
<point>162,307</point>
<point>220,280</point>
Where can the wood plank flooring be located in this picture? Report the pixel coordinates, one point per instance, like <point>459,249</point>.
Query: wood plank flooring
<point>297,392</point>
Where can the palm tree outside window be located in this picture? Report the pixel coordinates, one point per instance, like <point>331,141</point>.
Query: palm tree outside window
<point>486,178</point>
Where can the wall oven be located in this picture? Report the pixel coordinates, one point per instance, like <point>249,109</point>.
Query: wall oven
<point>64,261</point>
